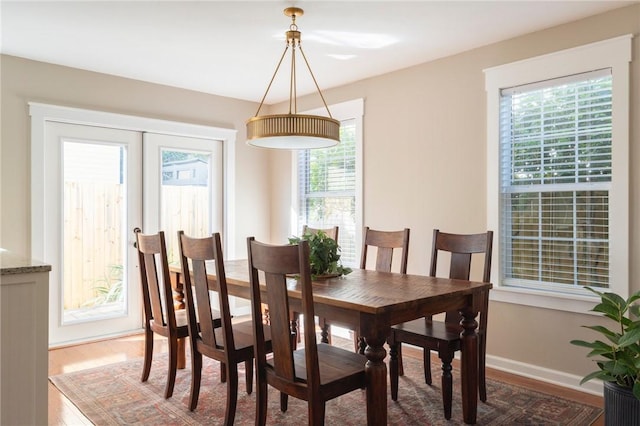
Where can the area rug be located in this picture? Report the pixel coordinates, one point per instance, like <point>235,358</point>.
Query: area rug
<point>114,395</point>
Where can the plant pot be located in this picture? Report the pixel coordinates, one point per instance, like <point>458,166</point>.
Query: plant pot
<point>621,407</point>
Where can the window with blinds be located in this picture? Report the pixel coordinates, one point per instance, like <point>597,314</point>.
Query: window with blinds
<point>327,189</point>
<point>555,179</point>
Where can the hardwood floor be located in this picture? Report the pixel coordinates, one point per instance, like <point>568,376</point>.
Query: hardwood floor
<point>79,357</point>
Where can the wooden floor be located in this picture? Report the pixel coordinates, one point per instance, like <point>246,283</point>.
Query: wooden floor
<point>79,357</point>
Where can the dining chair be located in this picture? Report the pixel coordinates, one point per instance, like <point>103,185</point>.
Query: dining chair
<point>316,373</point>
<point>230,344</point>
<point>444,337</point>
<point>160,316</point>
<point>295,316</point>
<point>385,243</point>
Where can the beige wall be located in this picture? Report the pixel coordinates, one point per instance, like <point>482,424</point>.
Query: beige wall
<point>24,81</point>
<point>425,168</point>
<point>424,158</point>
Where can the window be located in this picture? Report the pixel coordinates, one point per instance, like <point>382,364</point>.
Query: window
<point>328,189</point>
<point>557,173</point>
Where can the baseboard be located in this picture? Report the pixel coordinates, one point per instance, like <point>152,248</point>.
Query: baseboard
<point>543,374</point>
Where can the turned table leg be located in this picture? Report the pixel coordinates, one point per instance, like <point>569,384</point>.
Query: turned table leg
<point>376,372</point>
<point>178,303</point>
<point>469,366</point>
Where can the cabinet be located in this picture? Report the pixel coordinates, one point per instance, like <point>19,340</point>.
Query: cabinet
<point>24,316</point>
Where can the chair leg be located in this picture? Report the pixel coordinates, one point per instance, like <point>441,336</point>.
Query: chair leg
<point>316,412</point>
<point>148,353</point>
<point>173,365</point>
<point>196,376</point>
<point>447,382</point>
<point>248,367</point>
<point>284,402</point>
<point>426,357</point>
<point>261,399</point>
<point>232,395</point>
<point>393,368</point>
<point>400,364</point>
<point>482,377</point>
<point>223,373</point>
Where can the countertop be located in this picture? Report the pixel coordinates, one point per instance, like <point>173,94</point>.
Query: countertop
<point>11,263</point>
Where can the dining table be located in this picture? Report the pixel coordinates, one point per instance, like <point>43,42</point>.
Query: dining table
<point>376,301</point>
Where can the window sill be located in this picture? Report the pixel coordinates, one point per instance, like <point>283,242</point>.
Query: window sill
<point>541,299</point>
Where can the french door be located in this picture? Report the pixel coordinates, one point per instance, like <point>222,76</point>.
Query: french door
<point>101,183</point>
<point>183,187</point>
<point>93,190</point>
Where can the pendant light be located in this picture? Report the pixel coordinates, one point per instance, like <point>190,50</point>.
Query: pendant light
<point>293,130</point>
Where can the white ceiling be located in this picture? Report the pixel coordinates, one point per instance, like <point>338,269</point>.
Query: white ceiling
<point>231,48</point>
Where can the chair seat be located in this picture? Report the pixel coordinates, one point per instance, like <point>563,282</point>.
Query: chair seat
<point>334,363</point>
<point>427,328</point>
<point>340,370</point>
<point>242,335</point>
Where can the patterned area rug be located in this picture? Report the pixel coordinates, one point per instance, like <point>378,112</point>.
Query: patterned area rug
<point>114,395</point>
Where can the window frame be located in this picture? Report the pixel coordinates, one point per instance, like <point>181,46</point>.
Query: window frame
<point>615,54</point>
<point>348,110</point>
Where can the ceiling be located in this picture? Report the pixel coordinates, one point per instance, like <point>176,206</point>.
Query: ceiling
<point>231,48</point>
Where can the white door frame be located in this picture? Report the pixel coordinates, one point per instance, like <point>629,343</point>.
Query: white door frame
<point>42,113</point>
<point>100,324</point>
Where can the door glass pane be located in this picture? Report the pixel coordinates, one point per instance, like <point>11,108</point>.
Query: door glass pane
<point>93,231</point>
<point>185,198</point>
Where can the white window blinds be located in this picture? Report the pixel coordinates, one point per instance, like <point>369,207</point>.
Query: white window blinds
<point>556,170</point>
<point>327,189</point>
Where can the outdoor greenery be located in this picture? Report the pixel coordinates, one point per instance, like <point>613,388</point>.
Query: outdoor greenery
<point>324,255</point>
<point>620,354</point>
<point>108,289</point>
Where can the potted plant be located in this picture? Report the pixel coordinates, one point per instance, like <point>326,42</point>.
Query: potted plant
<point>618,357</point>
<point>324,255</point>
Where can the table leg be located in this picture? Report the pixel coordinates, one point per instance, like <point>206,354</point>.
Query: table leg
<point>182,359</point>
<point>376,372</point>
<point>469,366</point>
<point>178,303</point>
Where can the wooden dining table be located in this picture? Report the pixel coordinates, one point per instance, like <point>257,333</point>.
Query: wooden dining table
<point>376,301</point>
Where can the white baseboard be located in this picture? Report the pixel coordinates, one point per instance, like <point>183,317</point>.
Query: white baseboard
<point>543,374</point>
<point>535,372</point>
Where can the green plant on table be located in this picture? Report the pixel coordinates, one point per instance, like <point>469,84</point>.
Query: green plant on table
<point>324,255</point>
<point>620,353</point>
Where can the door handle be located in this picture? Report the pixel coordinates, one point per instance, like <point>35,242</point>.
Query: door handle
<point>135,231</point>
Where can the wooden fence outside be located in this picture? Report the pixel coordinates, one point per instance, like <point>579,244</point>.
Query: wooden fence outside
<point>94,244</point>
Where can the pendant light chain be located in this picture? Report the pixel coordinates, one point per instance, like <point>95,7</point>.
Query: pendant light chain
<point>293,130</point>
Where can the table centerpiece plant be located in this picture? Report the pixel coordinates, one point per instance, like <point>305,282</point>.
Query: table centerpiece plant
<point>324,255</point>
<point>619,356</point>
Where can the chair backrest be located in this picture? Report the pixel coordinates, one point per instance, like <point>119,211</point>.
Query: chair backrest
<point>386,242</point>
<point>196,254</point>
<point>331,232</point>
<point>276,262</point>
<point>461,248</point>
<point>154,278</point>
